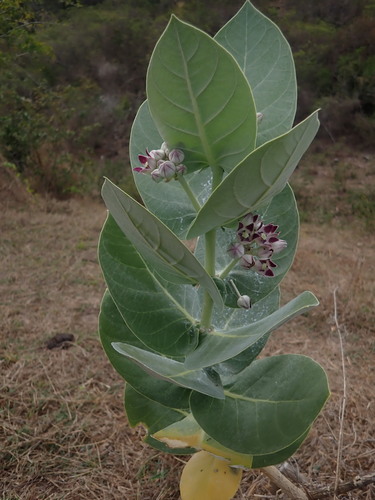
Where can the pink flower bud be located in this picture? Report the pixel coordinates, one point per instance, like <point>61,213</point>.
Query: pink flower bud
<point>177,156</point>
<point>157,154</point>
<point>277,245</point>
<point>156,176</point>
<point>167,170</point>
<point>236,250</point>
<point>165,148</point>
<point>247,261</point>
<point>180,170</point>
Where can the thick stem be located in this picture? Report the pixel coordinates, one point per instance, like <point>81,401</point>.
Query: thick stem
<point>228,269</point>
<point>210,255</point>
<point>210,244</point>
<point>190,193</point>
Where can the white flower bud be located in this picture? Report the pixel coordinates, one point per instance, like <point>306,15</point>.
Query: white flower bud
<point>167,170</point>
<point>156,176</point>
<point>244,301</point>
<point>180,170</point>
<point>165,148</point>
<point>177,156</point>
<point>157,154</point>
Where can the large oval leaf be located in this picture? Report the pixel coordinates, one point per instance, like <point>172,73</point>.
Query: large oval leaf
<point>162,250</point>
<point>167,200</point>
<point>146,306</point>
<point>200,99</point>
<point>265,57</point>
<point>219,345</point>
<point>112,328</point>
<point>257,179</point>
<point>208,382</point>
<point>272,403</point>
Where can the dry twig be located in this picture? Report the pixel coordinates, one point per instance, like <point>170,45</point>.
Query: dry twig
<point>343,402</point>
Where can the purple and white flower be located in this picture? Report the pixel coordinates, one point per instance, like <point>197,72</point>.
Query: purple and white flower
<point>255,245</point>
<point>162,164</point>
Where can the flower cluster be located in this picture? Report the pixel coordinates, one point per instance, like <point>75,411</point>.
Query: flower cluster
<point>255,244</point>
<point>162,164</point>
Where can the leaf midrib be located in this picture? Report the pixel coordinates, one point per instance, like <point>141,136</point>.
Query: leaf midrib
<point>197,116</point>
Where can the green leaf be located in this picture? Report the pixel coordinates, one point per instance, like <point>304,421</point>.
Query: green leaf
<point>200,99</point>
<point>156,318</point>
<point>205,381</point>
<point>265,57</point>
<point>112,328</point>
<point>142,410</point>
<point>219,345</point>
<point>280,456</point>
<point>167,200</point>
<point>258,178</point>
<point>239,318</point>
<point>161,249</point>
<point>271,404</point>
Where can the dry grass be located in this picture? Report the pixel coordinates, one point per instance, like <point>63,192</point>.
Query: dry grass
<point>64,432</point>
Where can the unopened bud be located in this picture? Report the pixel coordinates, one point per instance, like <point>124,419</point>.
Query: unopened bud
<point>177,156</point>
<point>180,170</point>
<point>157,154</point>
<point>167,170</point>
<point>244,301</point>
<point>165,148</point>
<point>156,176</point>
<point>236,250</point>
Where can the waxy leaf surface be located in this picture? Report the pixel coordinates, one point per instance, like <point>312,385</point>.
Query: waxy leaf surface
<point>167,200</point>
<point>112,328</point>
<point>146,306</point>
<point>280,456</point>
<point>259,177</point>
<point>265,57</point>
<point>270,405</point>
<point>199,98</point>
<point>219,345</point>
<point>157,244</point>
<point>173,371</point>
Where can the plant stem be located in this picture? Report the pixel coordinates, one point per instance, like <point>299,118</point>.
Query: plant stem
<point>210,244</point>
<point>228,269</point>
<point>210,255</point>
<point>190,193</point>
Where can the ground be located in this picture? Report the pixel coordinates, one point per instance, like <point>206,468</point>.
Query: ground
<point>64,432</point>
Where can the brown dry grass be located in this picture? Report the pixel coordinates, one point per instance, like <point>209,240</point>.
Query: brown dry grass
<point>64,432</point>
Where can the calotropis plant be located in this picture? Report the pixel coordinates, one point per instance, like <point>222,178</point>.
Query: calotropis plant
<point>212,150</point>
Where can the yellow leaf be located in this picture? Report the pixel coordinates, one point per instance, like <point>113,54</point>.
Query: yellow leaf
<point>206,477</point>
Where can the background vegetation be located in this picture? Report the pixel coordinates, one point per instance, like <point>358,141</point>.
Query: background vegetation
<point>72,75</point>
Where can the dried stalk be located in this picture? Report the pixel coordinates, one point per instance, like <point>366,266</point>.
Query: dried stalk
<point>343,402</point>
<point>284,484</point>
<point>328,491</point>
